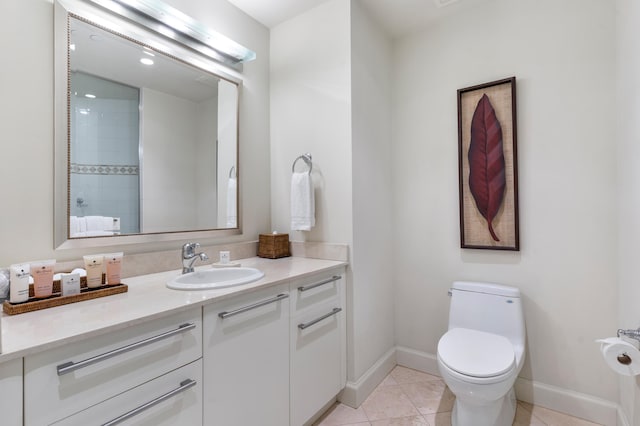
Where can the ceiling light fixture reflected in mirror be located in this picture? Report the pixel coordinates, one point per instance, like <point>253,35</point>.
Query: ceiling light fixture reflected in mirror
<point>146,61</point>
<point>174,24</point>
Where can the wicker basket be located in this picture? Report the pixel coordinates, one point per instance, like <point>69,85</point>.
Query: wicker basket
<point>273,246</point>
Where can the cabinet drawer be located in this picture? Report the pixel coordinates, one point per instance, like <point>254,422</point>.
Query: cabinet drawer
<point>318,363</point>
<point>172,399</point>
<point>66,380</point>
<point>316,289</point>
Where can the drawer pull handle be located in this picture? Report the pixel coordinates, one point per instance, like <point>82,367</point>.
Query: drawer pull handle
<point>317,320</point>
<point>310,286</point>
<point>184,385</point>
<point>70,366</point>
<point>225,314</point>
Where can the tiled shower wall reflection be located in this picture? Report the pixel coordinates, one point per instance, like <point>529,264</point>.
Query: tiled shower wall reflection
<point>105,166</point>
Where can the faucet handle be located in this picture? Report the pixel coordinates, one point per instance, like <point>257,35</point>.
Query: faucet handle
<point>189,249</point>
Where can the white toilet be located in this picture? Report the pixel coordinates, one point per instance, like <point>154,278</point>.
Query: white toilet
<point>481,354</point>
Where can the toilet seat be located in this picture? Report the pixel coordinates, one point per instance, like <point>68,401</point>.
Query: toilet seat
<point>476,354</point>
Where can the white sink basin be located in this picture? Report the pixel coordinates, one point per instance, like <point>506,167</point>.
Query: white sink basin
<point>215,278</point>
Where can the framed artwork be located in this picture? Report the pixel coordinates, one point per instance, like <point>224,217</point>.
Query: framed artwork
<point>487,164</point>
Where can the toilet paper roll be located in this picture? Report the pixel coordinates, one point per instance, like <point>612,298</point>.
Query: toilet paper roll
<point>621,356</point>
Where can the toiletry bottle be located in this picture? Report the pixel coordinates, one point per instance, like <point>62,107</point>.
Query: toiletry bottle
<point>19,283</point>
<point>70,284</point>
<point>114,268</point>
<point>42,273</point>
<point>93,265</point>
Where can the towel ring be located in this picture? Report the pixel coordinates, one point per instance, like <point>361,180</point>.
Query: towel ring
<point>232,172</point>
<point>306,158</point>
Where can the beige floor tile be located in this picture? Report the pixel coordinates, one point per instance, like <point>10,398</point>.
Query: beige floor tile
<point>429,397</point>
<point>388,402</point>
<point>439,419</point>
<point>408,375</point>
<point>388,381</point>
<point>524,417</point>
<point>402,421</point>
<point>342,415</point>
<point>554,418</point>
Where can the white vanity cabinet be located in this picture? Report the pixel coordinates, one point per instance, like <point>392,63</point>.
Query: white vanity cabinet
<point>246,359</point>
<point>318,343</point>
<point>64,381</point>
<point>11,392</point>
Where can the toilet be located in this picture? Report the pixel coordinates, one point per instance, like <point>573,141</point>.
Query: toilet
<point>481,354</point>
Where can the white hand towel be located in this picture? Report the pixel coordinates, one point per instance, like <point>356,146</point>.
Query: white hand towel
<point>74,226</point>
<point>232,205</point>
<point>94,223</point>
<point>82,224</point>
<point>303,206</point>
<point>107,223</point>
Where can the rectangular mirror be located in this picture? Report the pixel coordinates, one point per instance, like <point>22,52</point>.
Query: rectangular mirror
<point>150,139</point>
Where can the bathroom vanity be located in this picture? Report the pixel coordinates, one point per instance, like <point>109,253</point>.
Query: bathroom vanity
<point>271,352</point>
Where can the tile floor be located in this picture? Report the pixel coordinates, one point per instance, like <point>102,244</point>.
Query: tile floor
<point>408,397</point>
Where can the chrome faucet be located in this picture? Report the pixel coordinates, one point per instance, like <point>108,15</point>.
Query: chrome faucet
<point>189,256</point>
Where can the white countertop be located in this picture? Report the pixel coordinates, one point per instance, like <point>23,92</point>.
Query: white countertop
<point>147,298</point>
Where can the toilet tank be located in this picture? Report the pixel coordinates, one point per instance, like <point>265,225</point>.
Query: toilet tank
<point>493,308</point>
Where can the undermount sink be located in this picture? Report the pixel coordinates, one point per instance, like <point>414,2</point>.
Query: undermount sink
<point>215,278</point>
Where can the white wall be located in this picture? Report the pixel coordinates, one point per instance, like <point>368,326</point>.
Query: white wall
<point>26,124</point>
<point>628,126</point>
<point>206,169</point>
<point>563,55</point>
<point>227,148</point>
<point>372,289</point>
<point>311,112</point>
<point>169,167</point>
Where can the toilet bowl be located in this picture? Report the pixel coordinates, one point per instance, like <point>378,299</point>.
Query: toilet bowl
<point>481,354</point>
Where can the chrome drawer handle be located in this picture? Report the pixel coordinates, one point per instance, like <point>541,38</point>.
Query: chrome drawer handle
<point>225,314</point>
<point>70,366</point>
<point>184,385</point>
<point>317,320</point>
<point>310,286</point>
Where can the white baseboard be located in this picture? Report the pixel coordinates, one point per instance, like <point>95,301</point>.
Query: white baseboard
<point>563,400</point>
<point>575,404</point>
<point>354,393</point>
<point>417,360</point>
<point>622,418</point>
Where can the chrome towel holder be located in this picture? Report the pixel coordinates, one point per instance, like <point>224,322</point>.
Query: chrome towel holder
<point>631,334</point>
<point>306,158</point>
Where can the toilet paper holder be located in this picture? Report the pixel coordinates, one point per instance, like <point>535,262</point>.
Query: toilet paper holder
<point>631,334</point>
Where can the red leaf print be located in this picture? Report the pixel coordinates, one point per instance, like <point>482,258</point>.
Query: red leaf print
<point>487,179</point>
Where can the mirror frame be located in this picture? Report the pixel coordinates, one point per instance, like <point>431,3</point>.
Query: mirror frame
<point>63,9</point>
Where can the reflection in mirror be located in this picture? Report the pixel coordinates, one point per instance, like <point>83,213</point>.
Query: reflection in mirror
<point>153,140</point>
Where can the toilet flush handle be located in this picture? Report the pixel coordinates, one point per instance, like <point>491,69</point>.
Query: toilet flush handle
<point>449,293</point>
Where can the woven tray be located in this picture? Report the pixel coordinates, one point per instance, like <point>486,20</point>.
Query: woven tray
<point>57,299</point>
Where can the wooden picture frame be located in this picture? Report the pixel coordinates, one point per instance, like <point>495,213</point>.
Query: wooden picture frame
<point>488,166</point>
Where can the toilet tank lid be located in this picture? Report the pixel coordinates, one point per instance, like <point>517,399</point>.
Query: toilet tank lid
<point>488,288</point>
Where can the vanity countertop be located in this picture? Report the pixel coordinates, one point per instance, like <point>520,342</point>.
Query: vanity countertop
<point>148,298</point>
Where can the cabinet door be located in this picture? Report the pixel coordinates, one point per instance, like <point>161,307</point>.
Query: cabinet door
<point>169,400</point>
<point>11,391</point>
<point>246,360</point>
<point>317,354</point>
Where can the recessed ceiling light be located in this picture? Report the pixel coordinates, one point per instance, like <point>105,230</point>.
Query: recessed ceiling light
<point>95,37</point>
<point>72,47</point>
<point>89,95</point>
<point>146,61</point>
